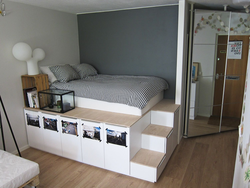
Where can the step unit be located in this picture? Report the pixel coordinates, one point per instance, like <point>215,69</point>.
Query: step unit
<point>151,159</point>
<point>158,141</point>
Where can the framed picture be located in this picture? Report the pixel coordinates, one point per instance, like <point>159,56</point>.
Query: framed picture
<point>33,120</point>
<point>69,128</point>
<point>91,132</point>
<point>116,137</point>
<point>195,70</point>
<point>234,49</point>
<point>50,124</point>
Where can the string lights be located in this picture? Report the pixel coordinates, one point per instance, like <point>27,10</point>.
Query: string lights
<point>215,22</point>
<point>2,11</point>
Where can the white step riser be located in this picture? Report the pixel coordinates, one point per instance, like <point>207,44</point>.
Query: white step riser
<point>162,118</point>
<point>147,173</point>
<point>143,172</point>
<point>154,143</point>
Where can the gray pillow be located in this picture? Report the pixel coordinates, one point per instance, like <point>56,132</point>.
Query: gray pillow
<point>64,73</point>
<point>84,70</point>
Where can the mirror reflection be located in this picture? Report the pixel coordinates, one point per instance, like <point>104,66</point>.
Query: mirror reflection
<point>219,60</point>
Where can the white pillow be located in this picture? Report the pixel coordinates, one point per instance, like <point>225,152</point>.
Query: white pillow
<point>46,70</point>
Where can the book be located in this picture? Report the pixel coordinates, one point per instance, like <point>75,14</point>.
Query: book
<point>25,91</point>
<point>32,97</point>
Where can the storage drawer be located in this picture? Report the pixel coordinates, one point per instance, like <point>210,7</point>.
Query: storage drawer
<point>117,148</point>
<point>92,143</point>
<point>34,130</point>
<point>52,133</point>
<point>71,143</point>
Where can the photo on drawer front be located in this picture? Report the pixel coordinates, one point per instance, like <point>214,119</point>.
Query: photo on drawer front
<point>69,128</point>
<point>116,137</point>
<point>32,120</point>
<point>91,132</point>
<point>50,124</point>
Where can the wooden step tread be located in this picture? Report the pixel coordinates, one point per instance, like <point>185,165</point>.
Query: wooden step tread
<point>157,130</point>
<point>123,120</point>
<point>148,157</point>
<point>166,105</point>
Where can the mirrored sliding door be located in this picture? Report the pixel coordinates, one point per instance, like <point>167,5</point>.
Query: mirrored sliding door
<point>217,72</point>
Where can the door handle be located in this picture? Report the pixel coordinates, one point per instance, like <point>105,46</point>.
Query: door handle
<point>217,76</point>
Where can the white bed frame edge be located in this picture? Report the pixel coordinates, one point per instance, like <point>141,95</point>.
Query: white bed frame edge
<point>116,107</point>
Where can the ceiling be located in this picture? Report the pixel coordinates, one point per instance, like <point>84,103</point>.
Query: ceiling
<point>87,6</point>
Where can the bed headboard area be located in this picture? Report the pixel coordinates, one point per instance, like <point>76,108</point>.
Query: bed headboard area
<point>132,42</point>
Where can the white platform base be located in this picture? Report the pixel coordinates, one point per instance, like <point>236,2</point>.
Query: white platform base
<point>116,107</point>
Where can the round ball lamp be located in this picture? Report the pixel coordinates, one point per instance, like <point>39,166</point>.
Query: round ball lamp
<point>23,52</point>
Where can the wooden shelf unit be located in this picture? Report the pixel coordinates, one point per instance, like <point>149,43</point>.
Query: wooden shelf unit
<point>40,81</point>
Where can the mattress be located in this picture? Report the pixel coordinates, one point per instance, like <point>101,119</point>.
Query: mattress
<point>15,171</point>
<point>117,107</point>
<point>134,91</point>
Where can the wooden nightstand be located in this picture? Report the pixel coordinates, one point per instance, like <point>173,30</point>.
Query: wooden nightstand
<point>39,81</point>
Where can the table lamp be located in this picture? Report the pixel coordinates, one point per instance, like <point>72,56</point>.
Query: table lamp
<point>23,52</point>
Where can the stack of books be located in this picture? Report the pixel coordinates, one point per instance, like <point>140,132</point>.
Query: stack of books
<point>31,97</point>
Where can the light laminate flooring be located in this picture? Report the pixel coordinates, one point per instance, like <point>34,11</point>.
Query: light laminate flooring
<point>199,162</point>
<point>204,125</point>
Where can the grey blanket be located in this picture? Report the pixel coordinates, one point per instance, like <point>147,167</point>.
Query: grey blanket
<point>134,91</point>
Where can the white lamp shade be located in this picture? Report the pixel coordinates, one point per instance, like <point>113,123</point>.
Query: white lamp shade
<point>38,54</point>
<point>22,51</point>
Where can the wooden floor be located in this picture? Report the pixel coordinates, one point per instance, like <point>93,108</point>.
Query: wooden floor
<point>202,126</point>
<point>206,162</point>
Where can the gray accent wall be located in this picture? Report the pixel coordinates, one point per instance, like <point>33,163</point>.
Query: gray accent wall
<point>132,42</point>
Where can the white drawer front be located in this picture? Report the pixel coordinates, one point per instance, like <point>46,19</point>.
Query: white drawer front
<point>92,143</point>
<point>71,144</point>
<point>117,148</point>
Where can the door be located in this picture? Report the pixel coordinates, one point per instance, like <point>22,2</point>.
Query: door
<point>221,73</point>
<point>234,79</point>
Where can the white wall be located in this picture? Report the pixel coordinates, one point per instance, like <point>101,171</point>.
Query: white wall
<point>242,162</point>
<point>53,31</point>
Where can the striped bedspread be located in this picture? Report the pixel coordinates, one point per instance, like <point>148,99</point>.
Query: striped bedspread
<point>134,91</point>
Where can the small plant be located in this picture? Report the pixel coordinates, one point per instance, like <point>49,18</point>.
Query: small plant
<point>247,174</point>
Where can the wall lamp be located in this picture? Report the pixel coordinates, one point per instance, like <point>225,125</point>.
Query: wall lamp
<point>2,11</point>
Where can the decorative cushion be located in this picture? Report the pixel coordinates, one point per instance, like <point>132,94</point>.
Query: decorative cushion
<point>46,70</point>
<point>64,73</point>
<point>84,70</point>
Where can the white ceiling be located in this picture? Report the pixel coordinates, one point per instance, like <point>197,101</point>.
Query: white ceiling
<point>87,6</point>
